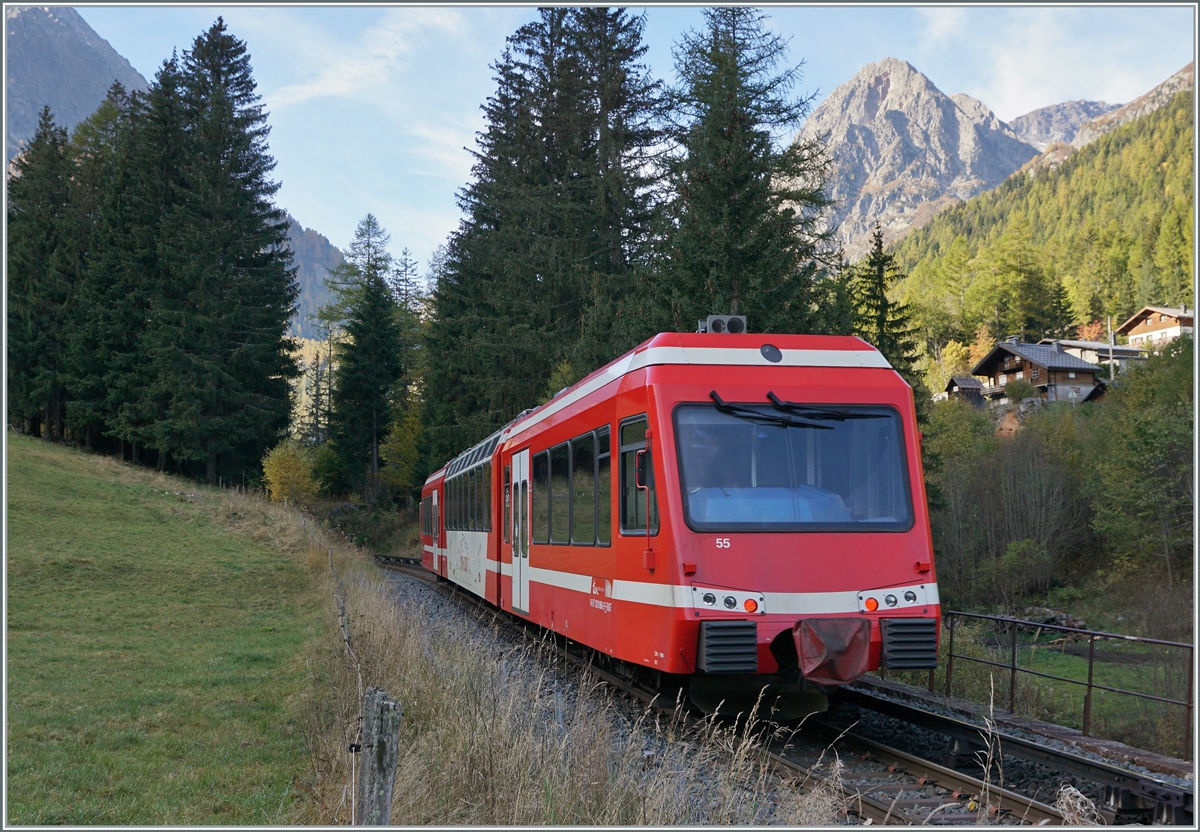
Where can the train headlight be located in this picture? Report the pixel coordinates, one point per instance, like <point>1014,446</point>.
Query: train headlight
<point>910,597</point>
<point>730,602</point>
<point>751,605</point>
<point>871,604</point>
<point>710,599</point>
<point>890,600</point>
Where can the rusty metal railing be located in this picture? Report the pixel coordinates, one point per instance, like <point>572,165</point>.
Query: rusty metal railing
<point>1016,624</point>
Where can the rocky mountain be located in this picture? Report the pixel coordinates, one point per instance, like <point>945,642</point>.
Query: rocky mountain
<point>904,150</point>
<point>313,256</point>
<point>1058,123</point>
<point>54,57</point>
<point>1184,79</point>
<point>1057,152</point>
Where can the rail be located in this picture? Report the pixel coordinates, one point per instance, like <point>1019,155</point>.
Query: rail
<point>1016,624</point>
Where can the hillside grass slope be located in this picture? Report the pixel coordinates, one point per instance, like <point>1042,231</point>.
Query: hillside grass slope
<point>156,657</point>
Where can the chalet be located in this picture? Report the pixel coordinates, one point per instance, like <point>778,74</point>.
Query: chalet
<point>1156,325</point>
<point>1097,352</point>
<point>962,387</point>
<point>1056,374</point>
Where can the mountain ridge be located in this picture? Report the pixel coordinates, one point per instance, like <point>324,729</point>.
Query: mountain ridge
<point>55,58</point>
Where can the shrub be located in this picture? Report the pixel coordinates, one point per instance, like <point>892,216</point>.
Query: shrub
<point>328,471</point>
<point>1019,390</point>
<point>288,472</point>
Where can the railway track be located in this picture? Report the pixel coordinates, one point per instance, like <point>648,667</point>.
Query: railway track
<point>881,785</point>
<point>1129,796</point>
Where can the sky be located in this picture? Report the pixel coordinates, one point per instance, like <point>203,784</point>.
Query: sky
<point>372,107</point>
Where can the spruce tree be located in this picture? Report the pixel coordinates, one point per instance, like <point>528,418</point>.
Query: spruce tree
<point>368,356</point>
<point>557,216</point>
<point>880,320</point>
<point>216,339</point>
<point>746,221</point>
<point>96,187</point>
<point>40,279</point>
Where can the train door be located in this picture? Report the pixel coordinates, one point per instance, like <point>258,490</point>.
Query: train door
<point>520,550</point>
<point>437,533</point>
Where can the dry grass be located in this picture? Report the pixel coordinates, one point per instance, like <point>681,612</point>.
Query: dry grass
<point>1076,808</point>
<point>497,735</point>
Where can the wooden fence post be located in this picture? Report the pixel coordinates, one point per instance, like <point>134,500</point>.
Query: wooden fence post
<point>380,751</point>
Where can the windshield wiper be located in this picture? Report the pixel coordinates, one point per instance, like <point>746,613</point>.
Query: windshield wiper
<point>758,416</point>
<point>813,411</point>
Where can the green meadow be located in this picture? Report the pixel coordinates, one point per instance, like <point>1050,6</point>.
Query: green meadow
<point>156,666</point>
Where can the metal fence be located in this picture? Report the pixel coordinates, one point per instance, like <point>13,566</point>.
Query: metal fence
<point>1014,625</point>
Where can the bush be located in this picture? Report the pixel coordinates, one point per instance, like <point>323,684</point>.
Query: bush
<point>288,472</point>
<point>328,471</point>
<point>1019,390</point>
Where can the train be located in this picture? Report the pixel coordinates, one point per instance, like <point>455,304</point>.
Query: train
<point>717,514</point>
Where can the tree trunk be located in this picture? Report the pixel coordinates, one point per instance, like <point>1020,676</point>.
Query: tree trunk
<point>162,460</point>
<point>134,453</point>
<point>48,433</point>
<point>212,469</point>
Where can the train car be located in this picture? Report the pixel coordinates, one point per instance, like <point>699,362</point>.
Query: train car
<point>712,511</point>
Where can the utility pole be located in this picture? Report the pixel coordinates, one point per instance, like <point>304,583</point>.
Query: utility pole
<point>1112,367</point>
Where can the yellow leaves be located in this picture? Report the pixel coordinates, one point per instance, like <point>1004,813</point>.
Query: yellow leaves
<point>287,470</point>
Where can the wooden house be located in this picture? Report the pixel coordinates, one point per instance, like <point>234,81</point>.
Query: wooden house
<point>1098,352</point>
<point>1056,374</point>
<point>1157,325</point>
<point>962,387</point>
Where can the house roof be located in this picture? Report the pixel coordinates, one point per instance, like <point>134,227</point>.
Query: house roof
<point>964,383</point>
<point>1050,356</point>
<point>1098,346</point>
<point>1124,328</point>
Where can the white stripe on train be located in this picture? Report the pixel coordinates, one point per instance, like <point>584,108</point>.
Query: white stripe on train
<point>680,596</point>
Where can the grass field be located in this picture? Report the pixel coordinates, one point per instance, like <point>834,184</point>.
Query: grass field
<point>156,656</point>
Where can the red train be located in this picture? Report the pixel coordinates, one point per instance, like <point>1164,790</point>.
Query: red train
<point>720,512</point>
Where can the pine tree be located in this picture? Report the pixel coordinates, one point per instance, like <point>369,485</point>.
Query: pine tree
<point>217,335</point>
<point>746,214</point>
<point>880,320</point>
<point>368,357</point>
<point>39,279</point>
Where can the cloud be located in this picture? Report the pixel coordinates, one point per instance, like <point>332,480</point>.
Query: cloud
<point>940,24</point>
<point>380,54</point>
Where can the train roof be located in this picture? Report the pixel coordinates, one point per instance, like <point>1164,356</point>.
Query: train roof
<point>696,348</point>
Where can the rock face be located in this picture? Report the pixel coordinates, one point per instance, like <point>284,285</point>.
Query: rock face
<point>1058,123</point>
<point>313,256</point>
<point>55,58</point>
<point>1184,79</point>
<point>904,150</point>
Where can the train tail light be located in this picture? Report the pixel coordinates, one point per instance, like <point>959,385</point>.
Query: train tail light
<point>751,605</point>
<point>871,604</point>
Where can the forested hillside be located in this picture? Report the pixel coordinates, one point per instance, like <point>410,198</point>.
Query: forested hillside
<point>1103,234</point>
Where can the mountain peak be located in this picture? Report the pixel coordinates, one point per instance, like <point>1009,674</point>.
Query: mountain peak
<point>903,150</point>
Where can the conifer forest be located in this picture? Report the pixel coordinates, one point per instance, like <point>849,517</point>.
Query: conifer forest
<point>150,288</point>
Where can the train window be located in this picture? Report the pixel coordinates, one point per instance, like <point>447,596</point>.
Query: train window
<point>474,486</point>
<point>507,503</point>
<point>541,497</point>
<point>634,499</point>
<point>583,490</point>
<point>453,515</point>
<point>840,469</point>
<point>603,489</point>
<point>486,477</point>
<point>560,494</point>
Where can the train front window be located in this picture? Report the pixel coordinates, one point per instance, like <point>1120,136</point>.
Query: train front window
<point>755,468</point>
